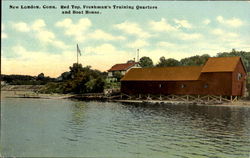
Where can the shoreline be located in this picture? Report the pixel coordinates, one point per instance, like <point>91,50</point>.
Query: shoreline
<point>31,94</point>
<point>240,103</point>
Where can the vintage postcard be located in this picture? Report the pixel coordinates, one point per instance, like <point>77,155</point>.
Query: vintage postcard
<point>125,79</point>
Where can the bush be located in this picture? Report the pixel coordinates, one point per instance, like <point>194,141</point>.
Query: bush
<point>52,88</point>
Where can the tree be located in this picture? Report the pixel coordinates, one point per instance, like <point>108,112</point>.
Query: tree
<point>40,76</point>
<point>75,69</point>
<point>194,60</point>
<point>85,80</point>
<point>118,75</point>
<point>146,62</point>
<point>65,76</point>
<point>167,62</point>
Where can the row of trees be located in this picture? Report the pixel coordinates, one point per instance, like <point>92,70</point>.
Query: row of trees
<point>26,79</point>
<point>194,60</point>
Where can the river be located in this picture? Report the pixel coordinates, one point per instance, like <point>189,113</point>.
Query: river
<point>68,128</point>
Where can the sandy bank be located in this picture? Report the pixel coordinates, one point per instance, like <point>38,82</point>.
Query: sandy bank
<point>32,94</point>
<point>21,87</point>
<point>238,103</point>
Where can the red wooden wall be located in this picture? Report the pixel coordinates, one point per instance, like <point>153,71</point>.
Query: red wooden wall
<point>209,83</point>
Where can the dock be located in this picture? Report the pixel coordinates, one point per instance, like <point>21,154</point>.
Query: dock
<point>169,102</point>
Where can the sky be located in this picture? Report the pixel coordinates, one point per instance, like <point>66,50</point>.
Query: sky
<point>38,41</point>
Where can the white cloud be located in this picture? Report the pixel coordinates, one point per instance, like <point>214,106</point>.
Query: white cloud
<point>38,30</point>
<point>231,34</point>
<point>3,34</point>
<point>183,23</point>
<point>188,36</point>
<point>104,49</point>
<point>138,44</point>
<point>229,40</point>
<point>234,22</point>
<point>239,45</point>
<point>209,47</point>
<point>162,26</point>
<point>80,30</point>
<point>76,30</point>
<point>2,27</point>
<point>21,27</point>
<point>217,32</point>
<point>59,44</point>
<point>106,54</point>
<point>67,23</point>
<point>35,62</point>
<point>165,44</point>
<point>99,34</point>
<point>223,34</point>
<point>45,36</point>
<point>38,24</point>
<point>206,21</point>
<point>133,29</point>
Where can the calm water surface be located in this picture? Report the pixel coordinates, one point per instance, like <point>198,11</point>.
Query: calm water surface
<point>63,128</point>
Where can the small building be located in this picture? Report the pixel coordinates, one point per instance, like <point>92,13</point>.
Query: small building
<point>219,76</point>
<point>123,68</point>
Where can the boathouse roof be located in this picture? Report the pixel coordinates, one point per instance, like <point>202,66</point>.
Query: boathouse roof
<point>221,64</point>
<point>182,73</point>
<point>164,73</point>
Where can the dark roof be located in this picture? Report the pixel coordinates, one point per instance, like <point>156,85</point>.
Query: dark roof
<point>221,64</point>
<point>123,66</point>
<point>179,73</point>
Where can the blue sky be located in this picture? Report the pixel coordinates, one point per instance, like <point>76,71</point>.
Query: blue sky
<point>44,40</point>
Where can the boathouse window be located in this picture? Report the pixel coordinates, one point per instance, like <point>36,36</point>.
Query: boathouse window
<point>239,76</point>
<point>160,85</point>
<point>206,86</point>
<point>183,85</point>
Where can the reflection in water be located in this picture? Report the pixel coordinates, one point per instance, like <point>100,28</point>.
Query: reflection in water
<point>224,130</point>
<point>103,129</point>
<point>75,125</point>
<point>202,131</point>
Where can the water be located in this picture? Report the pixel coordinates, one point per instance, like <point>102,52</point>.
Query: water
<point>63,128</point>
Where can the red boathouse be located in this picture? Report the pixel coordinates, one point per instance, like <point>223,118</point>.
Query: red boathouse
<point>220,76</point>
